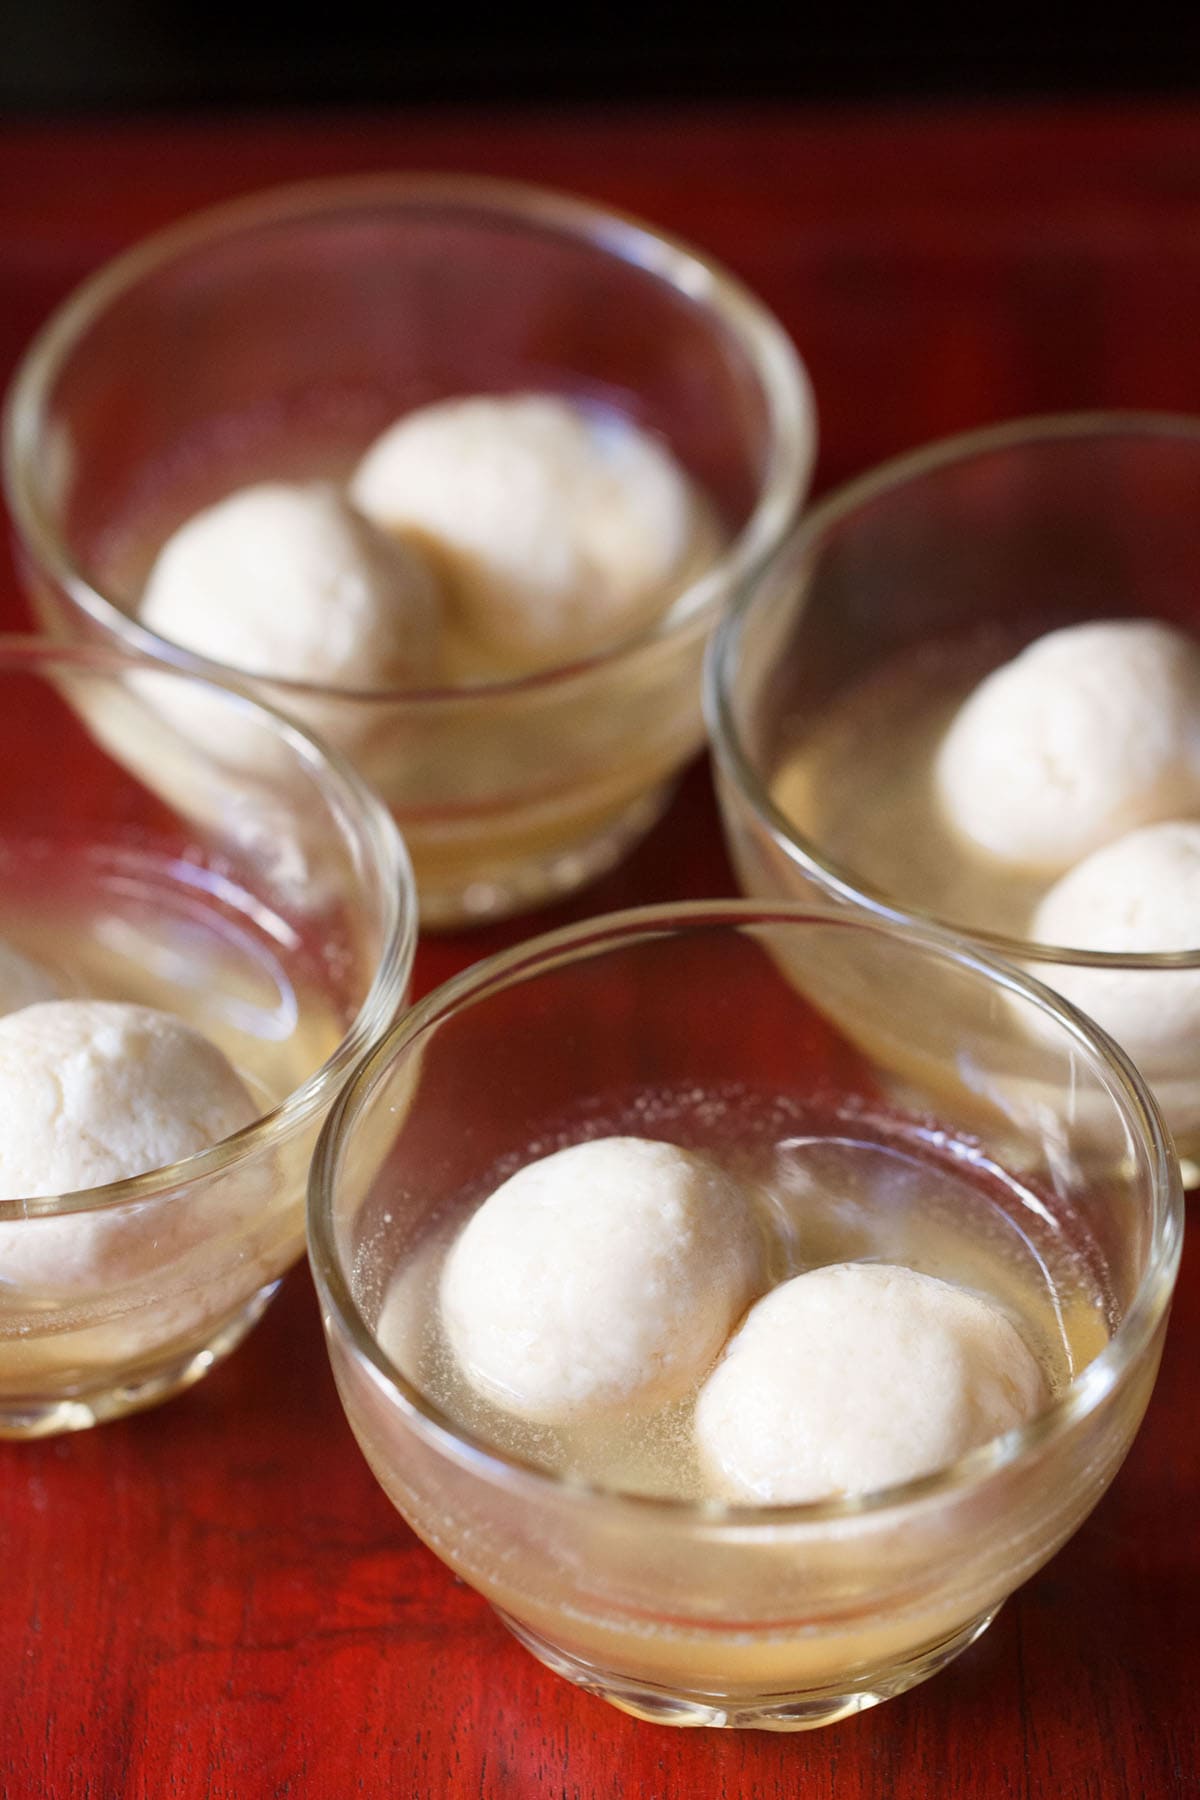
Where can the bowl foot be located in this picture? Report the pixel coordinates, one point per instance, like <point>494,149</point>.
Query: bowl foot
<point>804,1711</point>
<point>494,888</point>
<point>79,1406</point>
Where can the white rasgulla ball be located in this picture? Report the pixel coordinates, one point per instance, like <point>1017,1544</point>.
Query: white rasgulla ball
<point>22,981</point>
<point>92,1091</point>
<point>1088,733</point>
<point>287,580</point>
<point>604,1276</point>
<point>856,1377</point>
<point>1139,894</point>
<point>557,531</point>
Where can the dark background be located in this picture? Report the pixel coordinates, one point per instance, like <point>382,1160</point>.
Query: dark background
<point>85,55</point>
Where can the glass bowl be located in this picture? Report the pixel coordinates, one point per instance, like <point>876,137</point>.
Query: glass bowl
<point>836,671</point>
<point>277,336</point>
<point>276,915</point>
<point>746,1030</point>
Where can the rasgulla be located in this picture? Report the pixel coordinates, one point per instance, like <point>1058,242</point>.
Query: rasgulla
<point>1140,894</point>
<point>557,531</point>
<point>604,1276</point>
<point>1088,733</point>
<point>855,1377</point>
<point>289,581</point>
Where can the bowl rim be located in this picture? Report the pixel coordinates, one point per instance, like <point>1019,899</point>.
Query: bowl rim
<point>1081,1397</point>
<point>830,876</point>
<point>376,837</point>
<point>698,278</point>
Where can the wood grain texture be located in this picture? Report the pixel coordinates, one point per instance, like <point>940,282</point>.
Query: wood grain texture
<point>215,1600</point>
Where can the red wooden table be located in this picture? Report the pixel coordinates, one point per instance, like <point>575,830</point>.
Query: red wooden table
<point>215,1600</point>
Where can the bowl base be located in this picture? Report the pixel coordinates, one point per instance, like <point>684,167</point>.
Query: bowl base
<point>82,1407</point>
<point>805,1711</point>
<point>495,890</point>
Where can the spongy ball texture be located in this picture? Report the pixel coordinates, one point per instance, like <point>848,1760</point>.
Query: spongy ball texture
<point>1090,732</point>
<point>1138,895</point>
<point>855,1377</point>
<point>92,1091</point>
<point>288,580</point>
<point>604,1276</point>
<point>556,531</point>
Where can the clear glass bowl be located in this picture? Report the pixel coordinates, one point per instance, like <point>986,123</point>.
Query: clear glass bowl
<point>276,914</point>
<point>701,1024</point>
<point>278,336</point>
<point>952,559</point>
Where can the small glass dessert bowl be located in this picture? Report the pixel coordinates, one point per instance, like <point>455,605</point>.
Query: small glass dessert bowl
<point>187,920</point>
<point>968,692</point>
<point>273,340</point>
<point>746,1039</point>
